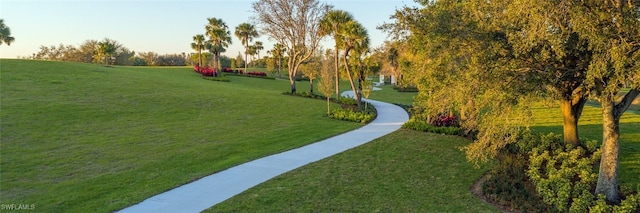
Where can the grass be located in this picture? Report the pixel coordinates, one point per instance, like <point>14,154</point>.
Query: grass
<point>409,171</point>
<point>390,95</point>
<point>406,171</point>
<point>78,137</point>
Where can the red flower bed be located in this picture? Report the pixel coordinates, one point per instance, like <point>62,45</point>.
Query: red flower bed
<point>257,73</point>
<point>205,71</point>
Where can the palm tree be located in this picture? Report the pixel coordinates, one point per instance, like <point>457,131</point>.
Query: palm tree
<point>354,37</point>
<point>251,51</point>
<point>246,33</point>
<point>219,37</point>
<point>259,47</point>
<point>278,53</point>
<point>5,34</point>
<point>198,45</point>
<point>331,24</point>
<point>105,50</point>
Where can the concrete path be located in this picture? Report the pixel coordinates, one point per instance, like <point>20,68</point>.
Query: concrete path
<point>213,189</point>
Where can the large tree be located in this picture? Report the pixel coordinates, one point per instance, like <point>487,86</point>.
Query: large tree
<point>295,24</point>
<point>198,45</point>
<point>354,38</point>
<point>613,31</point>
<point>331,24</point>
<point>561,49</point>
<point>219,37</point>
<point>246,33</point>
<point>5,34</point>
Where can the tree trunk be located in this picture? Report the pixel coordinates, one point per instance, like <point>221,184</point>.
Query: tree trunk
<point>311,86</point>
<point>356,95</point>
<point>609,163</point>
<point>279,67</point>
<point>336,59</point>
<point>292,80</point>
<point>571,110</point>
<point>328,105</point>
<point>200,58</point>
<point>608,172</point>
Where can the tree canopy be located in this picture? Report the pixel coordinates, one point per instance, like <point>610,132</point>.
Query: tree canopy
<point>294,24</point>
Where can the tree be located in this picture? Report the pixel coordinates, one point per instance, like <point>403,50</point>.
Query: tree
<point>258,46</point>
<point>311,69</point>
<point>105,51</point>
<point>246,33</point>
<point>278,52</point>
<point>354,38</point>
<point>612,27</point>
<point>252,52</point>
<point>391,60</point>
<point>219,37</point>
<point>327,76</point>
<point>198,45</point>
<point>294,24</point>
<point>5,34</point>
<point>239,61</point>
<point>331,24</point>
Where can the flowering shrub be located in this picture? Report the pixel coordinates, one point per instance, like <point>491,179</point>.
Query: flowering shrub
<point>263,74</point>
<point>205,71</point>
<point>445,120</point>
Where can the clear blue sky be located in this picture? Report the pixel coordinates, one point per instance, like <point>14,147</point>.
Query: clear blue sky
<point>161,26</point>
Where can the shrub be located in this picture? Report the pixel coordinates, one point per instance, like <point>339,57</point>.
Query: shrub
<point>426,127</point>
<point>349,115</point>
<point>406,89</point>
<point>445,120</point>
<point>558,177</point>
<point>219,78</point>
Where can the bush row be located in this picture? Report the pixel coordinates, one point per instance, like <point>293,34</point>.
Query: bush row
<point>349,108</point>
<point>240,72</point>
<point>405,89</point>
<point>427,127</point>
<point>353,116</point>
<point>219,78</point>
<point>340,100</point>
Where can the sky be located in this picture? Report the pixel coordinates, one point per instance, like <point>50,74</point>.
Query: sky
<point>161,26</point>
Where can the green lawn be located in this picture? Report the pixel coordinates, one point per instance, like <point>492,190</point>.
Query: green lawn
<point>82,138</point>
<point>406,171</point>
<point>390,95</point>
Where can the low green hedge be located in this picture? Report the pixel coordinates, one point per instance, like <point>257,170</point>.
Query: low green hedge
<point>220,78</point>
<point>350,115</point>
<point>426,127</point>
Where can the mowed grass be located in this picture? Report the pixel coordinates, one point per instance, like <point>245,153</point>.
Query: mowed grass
<point>388,94</point>
<point>406,171</point>
<point>549,119</point>
<point>83,138</point>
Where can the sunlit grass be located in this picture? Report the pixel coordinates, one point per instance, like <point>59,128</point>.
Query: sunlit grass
<point>83,138</point>
<point>406,171</point>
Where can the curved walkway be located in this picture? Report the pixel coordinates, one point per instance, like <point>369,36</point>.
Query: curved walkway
<point>213,189</point>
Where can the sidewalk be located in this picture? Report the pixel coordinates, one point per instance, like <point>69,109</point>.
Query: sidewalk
<point>213,189</point>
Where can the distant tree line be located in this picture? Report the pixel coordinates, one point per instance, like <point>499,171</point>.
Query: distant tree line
<point>109,52</point>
